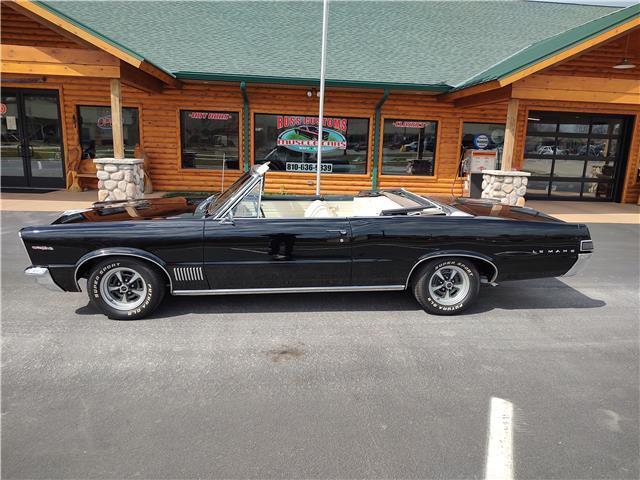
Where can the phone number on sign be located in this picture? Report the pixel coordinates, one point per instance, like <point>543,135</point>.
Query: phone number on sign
<point>309,167</point>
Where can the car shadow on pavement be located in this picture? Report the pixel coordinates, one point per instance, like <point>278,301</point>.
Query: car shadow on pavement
<point>521,295</point>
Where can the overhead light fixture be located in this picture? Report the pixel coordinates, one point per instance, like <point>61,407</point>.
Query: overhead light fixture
<point>625,64</point>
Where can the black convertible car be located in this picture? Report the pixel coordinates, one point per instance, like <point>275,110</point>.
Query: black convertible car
<point>132,253</point>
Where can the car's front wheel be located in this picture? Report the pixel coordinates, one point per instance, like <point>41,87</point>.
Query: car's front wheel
<point>125,288</point>
<point>446,286</point>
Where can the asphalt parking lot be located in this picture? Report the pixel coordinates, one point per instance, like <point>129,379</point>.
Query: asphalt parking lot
<point>324,385</point>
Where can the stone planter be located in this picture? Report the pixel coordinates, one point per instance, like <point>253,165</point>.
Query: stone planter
<point>507,187</point>
<point>119,179</point>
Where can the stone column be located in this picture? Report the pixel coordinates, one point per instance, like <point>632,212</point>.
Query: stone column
<point>119,178</point>
<point>507,187</point>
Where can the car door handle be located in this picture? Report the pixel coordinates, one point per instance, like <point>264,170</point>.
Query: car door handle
<point>341,232</point>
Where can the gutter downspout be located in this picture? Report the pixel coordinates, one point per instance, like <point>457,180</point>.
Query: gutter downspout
<point>376,140</point>
<point>245,117</point>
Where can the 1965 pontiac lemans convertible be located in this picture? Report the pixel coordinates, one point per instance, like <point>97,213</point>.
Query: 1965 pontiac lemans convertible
<point>133,252</point>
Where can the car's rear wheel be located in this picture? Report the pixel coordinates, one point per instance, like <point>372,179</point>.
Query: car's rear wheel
<point>125,288</point>
<point>446,286</point>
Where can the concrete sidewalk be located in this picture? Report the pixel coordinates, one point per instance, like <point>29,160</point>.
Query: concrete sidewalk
<point>582,212</point>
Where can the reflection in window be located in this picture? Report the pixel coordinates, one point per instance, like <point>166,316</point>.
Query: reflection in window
<point>537,187</point>
<point>568,168</point>
<point>599,169</point>
<point>408,147</point>
<point>571,146</point>
<point>96,137</point>
<point>210,140</point>
<point>540,145</point>
<point>566,189</point>
<point>249,206</point>
<point>538,166</point>
<point>290,143</point>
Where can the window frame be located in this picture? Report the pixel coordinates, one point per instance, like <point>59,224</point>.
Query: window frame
<point>78,124</point>
<point>239,145</point>
<point>369,150</point>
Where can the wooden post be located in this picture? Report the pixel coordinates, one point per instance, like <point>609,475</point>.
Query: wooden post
<point>510,134</point>
<point>116,119</point>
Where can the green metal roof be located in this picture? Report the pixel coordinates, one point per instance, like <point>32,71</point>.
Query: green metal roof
<point>553,45</point>
<point>435,45</point>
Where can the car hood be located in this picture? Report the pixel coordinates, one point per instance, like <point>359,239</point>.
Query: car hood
<point>143,209</point>
<point>492,208</point>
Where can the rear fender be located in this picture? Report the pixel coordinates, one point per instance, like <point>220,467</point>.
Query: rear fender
<point>485,259</point>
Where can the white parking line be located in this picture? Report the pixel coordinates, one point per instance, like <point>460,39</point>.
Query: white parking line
<point>499,464</point>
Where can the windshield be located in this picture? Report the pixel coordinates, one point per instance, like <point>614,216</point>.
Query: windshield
<point>214,202</point>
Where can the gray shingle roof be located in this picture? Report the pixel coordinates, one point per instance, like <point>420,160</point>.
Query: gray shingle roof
<point>388,42</point>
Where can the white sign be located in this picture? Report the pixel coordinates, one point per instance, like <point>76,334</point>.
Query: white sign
<point>309,167</point>
<point>11,123</point>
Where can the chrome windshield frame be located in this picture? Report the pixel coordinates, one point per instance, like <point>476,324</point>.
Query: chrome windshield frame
<point>257,176</point>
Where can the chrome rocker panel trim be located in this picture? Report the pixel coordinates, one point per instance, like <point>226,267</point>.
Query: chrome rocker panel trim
<point>579,266</point>
<point>42,277</point>
<point>237,291</point>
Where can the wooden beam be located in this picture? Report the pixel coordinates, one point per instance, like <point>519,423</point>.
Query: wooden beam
<point>487,98</point>
<point>76,56</point>
<point>578,89</point>
<point>98,71</point>
<point>510,134</point>
<point>116,119</point>
<point>138,79</point>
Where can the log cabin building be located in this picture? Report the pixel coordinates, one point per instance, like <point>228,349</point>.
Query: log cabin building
<point>204,90</point>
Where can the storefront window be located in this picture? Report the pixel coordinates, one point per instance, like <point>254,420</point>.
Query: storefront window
<point>96,138</point>
<point>290,143</point>
<point>210,140</point>
<point>483,136</point>
<point>408,147</point>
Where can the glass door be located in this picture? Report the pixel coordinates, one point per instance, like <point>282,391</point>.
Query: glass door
<point>32,155</point>
<point>575,156</point>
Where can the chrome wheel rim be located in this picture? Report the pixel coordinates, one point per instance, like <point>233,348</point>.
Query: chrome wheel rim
<point>123,288</point>
<point>449,285</point>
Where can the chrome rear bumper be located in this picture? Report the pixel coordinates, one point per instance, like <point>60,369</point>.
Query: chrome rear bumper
<point>579,266</point>
<point>42,277</point>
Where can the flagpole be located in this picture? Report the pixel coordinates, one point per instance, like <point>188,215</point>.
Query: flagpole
<point>323,58</point>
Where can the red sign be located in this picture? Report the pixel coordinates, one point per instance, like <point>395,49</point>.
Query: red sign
<point>409,124</point>
<point>3,108</point>
<point>286,121</point>
<point>104,122</point>
<point>209,116</point>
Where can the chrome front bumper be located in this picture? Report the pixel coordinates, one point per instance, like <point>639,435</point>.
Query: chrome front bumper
<point>579,266</point>
<point>42,277</point>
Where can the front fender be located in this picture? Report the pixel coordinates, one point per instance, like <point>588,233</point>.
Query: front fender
<point>119,252</point>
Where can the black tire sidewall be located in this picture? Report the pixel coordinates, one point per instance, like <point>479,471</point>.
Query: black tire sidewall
<point>155,288</point>
<point>424,297</point>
